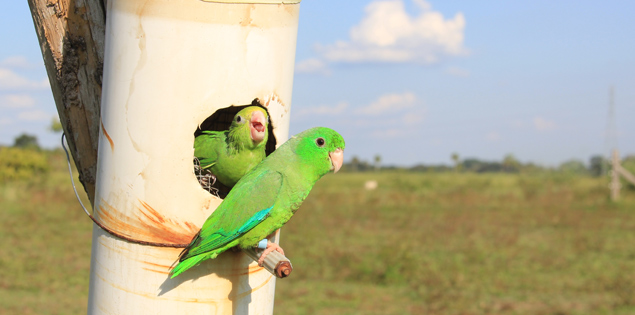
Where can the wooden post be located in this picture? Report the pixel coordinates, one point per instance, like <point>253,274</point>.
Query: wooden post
<point>615,176</point>
<point>71,36</point>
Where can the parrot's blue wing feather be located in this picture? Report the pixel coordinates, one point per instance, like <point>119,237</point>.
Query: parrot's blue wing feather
<point>221,238</point>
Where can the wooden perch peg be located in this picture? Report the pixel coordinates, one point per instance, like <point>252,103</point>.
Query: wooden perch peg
<point>276,263</point>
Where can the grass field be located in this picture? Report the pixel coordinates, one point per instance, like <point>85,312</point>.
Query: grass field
<point>420,243</point>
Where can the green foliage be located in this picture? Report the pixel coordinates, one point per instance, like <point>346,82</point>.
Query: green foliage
<point>628,163</point>
<point>511,164</point>
<point>598,165</point>
<point>26,141</point>
<point>56,125</point>
<point>573,167</point>
<point>18,163</point>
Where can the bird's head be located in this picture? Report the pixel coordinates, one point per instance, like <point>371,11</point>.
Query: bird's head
<point>321,147</point>
<point>252,122</point>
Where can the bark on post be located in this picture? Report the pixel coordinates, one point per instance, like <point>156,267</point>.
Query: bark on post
<point>71,35</point>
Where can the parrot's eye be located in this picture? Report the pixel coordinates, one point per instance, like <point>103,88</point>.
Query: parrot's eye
<point>320,141</point>
<point>239,119</point>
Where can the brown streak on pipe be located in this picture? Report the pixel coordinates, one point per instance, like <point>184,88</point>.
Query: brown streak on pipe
<point>244,273</point>
<point>165,229</point>
<point>154,213</point>
<point>103,129</point>
<point>148,225</point>
<point>163,272</point>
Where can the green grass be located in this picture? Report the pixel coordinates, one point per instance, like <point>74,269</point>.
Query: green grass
<point>420,243</point>
<point>44,245</point>
<point>460,244</point>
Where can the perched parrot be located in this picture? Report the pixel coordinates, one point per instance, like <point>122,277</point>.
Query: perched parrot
<point>230,154</point>
<point>266,197</point>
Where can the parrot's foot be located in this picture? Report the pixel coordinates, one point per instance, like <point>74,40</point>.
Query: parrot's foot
<point>270,248</point>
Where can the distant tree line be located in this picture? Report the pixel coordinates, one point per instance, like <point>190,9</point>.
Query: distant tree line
<point>597,166</point>
<point>25,159</point>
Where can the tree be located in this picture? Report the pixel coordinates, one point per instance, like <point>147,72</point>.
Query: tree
<point>56,125</point>
<point>377,162</point>
<point>598,165</point>
<point>355,164</point>
<point>26,141</point>
<point>511,164</point>
<point>457,162</point>
<point>573,167</point>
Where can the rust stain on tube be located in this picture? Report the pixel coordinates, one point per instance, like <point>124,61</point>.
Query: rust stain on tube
<point>146,224</point>
<point>103,129</point>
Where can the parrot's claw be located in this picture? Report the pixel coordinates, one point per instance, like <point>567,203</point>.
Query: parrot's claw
<point>270,248</point>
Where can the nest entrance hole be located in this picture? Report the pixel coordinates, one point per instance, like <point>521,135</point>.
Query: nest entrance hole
<point>221,120</point>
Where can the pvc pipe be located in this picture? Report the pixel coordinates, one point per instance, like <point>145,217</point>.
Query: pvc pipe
<point>168,66</point>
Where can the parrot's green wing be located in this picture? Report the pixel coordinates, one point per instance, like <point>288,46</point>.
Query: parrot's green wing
<point>246,206</point>
<point>209,146</point>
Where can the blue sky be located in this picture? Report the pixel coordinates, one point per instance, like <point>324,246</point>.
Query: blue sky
<point>415,81</point>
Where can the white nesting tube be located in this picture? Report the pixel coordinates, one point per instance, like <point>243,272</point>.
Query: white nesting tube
<point>170,64</point>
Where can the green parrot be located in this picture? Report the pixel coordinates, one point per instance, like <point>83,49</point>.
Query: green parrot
<point>230,154</point>
<point>266,197</point>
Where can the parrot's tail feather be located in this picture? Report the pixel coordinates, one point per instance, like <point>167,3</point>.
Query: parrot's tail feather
<point>185,251</point>
<point>189,263</point>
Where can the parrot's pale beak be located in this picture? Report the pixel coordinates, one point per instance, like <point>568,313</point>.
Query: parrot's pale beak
<point>337,158</point>
<point>258,126</point>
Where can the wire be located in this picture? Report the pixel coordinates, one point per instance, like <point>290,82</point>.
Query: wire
<point>111,232</point>
<point>70,171</point>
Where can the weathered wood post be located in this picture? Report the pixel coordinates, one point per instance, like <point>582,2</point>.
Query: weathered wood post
<point>71,35</point>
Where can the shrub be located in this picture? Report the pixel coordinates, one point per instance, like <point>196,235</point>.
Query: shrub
<point>18,163</point>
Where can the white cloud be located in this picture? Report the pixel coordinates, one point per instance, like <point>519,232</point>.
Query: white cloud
<point>10,80</point>
<point>457,72</point>
<point>5,121</point>
<point>387,33</point>
<point>16,101</point>
<point>323,109</point>
<point>35,115</point>
<point>312,65</point>
<point>542,124</point>
<point>389,103</point>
